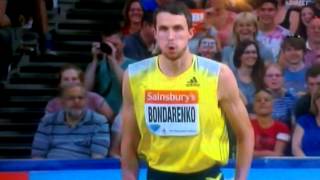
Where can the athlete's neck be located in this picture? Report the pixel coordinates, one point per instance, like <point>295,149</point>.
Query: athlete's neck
<point>175,67</point>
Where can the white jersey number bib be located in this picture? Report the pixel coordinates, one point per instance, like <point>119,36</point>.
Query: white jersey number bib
<point>172,113</point>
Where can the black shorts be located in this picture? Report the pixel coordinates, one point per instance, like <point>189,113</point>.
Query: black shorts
<point>213,172</point>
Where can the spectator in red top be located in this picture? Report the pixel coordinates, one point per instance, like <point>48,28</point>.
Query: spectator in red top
<point>271,137</point>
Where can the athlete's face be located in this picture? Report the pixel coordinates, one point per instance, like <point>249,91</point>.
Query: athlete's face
<point>172,34</point>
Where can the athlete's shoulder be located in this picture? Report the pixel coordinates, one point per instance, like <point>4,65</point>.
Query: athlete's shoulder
<point>209,65</point>
<point>141,66</point>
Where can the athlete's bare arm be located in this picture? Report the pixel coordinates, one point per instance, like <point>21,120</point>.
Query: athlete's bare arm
<point>130,136</point>
<point>237,115</point>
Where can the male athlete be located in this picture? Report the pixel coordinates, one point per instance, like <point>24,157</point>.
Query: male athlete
<point>174,107</point>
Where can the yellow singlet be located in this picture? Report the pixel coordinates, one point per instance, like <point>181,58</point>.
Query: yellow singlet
<point>181,125</point>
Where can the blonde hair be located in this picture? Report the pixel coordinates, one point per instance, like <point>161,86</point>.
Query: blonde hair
<point>246,17</point>
<point>313,106</point>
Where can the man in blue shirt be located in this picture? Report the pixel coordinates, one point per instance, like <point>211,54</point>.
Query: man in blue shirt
<point>74,132</point>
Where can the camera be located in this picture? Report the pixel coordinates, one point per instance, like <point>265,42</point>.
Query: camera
<point>105,48</point>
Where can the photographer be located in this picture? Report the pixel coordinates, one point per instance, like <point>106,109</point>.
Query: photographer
<point>104,75</point>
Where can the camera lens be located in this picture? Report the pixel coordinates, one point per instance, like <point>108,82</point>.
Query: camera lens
<point>105,48</point>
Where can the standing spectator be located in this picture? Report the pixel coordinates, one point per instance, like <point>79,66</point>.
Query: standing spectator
<point>283,100</point>
<point>270,33</point>
<point>35,11</point>
<point>306,15</point>
<point>4,19</point>
<point>140,44</point>
<point>271,137</point>
<point>249,70</point>
<point>245,28</point>
<point>104,73</point>
<point>313,82</point>
<point>313,41</point>
<point>293,49</point>
<point>70,74</point>
<point>6,40</point>
<point>306,136</point>
<point>74,132</point>
<point>287,16</point>
<point>132,13</point>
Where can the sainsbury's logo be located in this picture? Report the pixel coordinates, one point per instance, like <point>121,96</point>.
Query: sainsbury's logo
<point>171,97</point>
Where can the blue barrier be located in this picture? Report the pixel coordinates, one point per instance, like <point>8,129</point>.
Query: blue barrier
<point>262,169</point>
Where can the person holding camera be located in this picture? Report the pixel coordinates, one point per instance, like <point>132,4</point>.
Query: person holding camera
<point>104,74</point>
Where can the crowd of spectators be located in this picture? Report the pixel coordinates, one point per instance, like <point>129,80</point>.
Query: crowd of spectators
<point>272,46</point>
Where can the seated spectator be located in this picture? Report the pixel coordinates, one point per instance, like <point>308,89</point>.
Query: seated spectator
<point>283,100</point>
<point>306,15</point>
<point>140,44</point>
<point>313,82</point>
<point>104,73</point>
<point>288,16</point>
<point>306,136</point>
<point>217,16</point>
<point>316,6</point>
<point>132,13</point>
<point>270,33</point>
<point>271,137</point>
<point>72,74</point>
<point>293,48</point>
<point>209,47</point>
<point>245,28</point>
<point>249,70</point>
<point>74,132</point>
<point>313,42</point>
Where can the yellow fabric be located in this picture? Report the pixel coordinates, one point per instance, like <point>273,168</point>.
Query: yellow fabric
<point>186,154</point>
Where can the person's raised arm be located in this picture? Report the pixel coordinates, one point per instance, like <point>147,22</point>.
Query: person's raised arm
<point>237,115</point>
<point>296,141</point>
<point>114,62</point>
<point>90,74</point>
<point>130,136</point>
